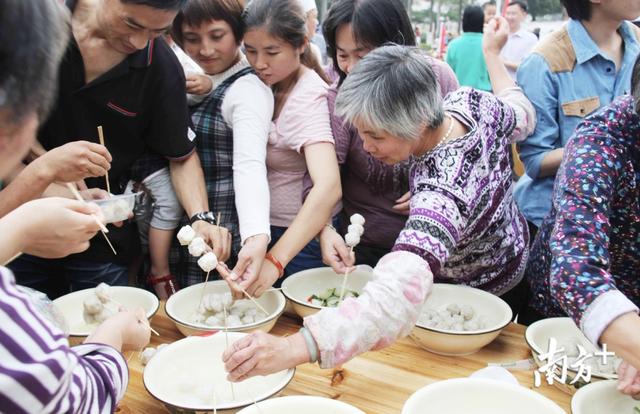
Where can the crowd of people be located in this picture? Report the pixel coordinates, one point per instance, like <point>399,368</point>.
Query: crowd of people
<point>227,117</point>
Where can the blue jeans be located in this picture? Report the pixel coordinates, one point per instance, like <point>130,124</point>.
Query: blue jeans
<point>309,257</point>
<point>57,277</point>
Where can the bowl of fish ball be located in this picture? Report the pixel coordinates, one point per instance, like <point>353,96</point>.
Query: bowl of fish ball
<point>459,320</point>
<point>296,404</point>
<point>193,317</point>
<point>85,309</point>
<point>603,397</point>
<point>117,207</point>
<point>568,337</point>
<point>188,376</point>
<point>311,290</point>
<point>478,396</point>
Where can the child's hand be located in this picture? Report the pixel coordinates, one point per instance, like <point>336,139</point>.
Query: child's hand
<point>199,84</point>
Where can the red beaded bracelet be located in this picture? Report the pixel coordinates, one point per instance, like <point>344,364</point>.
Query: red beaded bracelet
<point>276,263</point>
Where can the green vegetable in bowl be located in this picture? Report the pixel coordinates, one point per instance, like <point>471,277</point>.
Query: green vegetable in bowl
<point>636,409</point>
<point>330,297</point>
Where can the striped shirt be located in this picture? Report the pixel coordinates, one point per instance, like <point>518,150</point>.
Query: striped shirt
<point>40,373</point>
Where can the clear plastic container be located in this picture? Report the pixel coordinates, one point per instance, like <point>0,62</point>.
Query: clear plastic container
<point>117,207</point>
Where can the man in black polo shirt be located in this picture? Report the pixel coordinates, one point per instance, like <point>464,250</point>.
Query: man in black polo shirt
<point>118,73</point>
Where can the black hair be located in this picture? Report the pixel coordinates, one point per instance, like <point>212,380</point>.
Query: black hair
<point>285,20</point>
<point>577,9</point>
<point>489,3</point>
<point>522,4</point>
<point>373,22</point>
<point>158,4</point>
<point>197,12</point>
<point>635,84</point>
<point>33,38</point>
<point>472,19</point>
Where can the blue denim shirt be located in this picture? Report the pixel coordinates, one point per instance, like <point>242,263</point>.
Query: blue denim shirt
<point>563,94</point>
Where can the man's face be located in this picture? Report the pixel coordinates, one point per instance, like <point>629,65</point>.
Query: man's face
<point>515,16</point>
<point>129,27</point>
<point>489,12</point>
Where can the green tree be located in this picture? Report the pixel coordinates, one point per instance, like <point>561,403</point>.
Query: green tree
<point>544,7</point>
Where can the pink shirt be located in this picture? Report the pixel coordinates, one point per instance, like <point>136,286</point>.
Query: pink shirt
<point>303,121</point>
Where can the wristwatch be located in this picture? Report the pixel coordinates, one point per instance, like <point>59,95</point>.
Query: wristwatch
<point>204,216</point>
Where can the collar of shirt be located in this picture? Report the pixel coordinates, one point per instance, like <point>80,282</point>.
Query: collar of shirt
<point>585,48</point>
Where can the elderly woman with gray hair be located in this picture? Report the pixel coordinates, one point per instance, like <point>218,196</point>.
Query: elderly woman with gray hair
<point>463,227</point>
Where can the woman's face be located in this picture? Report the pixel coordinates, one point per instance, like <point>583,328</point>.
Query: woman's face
<point>15,142</point>
<point>348,52</point>
<point>384,146</point>
<point>212,45</point>
<point>272,58</point>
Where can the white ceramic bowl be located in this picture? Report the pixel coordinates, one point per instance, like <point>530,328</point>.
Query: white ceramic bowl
<point>495,311</point>
<point>602,397</point>
<point>299,286</point>
<point>71,306</point>
<point>478,396</point>
<point>181,306</point>
<point>188,374</point>
<point>297,404</point>
<point>117,207</point>
<point>563,330</point>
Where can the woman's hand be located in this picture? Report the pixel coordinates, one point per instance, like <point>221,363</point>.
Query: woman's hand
<point>199,84</point>
<point>126,330</point>
<point>261,354</point>
<point>629,380</point>
<point>74,162</point>
<point>250,260</point>
<point>403,203</point>
<point>55,227</point>
<point>495,35</point>
<point>265,279</point>
<point>335,251</point>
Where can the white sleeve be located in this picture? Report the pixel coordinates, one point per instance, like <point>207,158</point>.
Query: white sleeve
<point>247,108</point>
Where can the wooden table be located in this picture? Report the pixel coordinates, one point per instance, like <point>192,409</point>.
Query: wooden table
<point>375,382</point>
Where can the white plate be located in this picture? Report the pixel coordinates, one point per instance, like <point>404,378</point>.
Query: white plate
<point>602,397</point>
<point>181,306</point>
<point>187,373</point>
<point>299,286</point>
<point>478,396</point>
<point>72,306</point>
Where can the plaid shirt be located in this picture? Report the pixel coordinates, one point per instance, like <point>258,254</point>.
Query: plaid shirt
<point>214,143</point>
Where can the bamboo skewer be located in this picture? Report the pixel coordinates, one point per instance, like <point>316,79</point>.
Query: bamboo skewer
<point>344,281</point>
<point>101,137</point>
<point>204,287</point>
<point>103,229</point>
<point>15,256</point>
<point>226,340</point>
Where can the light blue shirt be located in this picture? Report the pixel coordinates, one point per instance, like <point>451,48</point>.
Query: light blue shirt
<point>562,99</point>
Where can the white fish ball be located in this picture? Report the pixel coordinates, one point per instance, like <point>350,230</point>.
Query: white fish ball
<point>356,229</point>
<point>357,219</point>
<point>208,262</point>
<point>186,235</point>
<point>197,247</point>
<point>352,239</point>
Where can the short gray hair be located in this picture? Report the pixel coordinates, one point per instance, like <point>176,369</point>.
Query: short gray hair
<point>33,38</point>
<point>392,89</point>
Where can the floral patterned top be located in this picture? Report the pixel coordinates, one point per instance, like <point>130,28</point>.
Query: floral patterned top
<point>463,228</point>
<point>585,261</point>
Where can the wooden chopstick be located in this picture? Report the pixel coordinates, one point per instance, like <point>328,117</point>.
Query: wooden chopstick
<point>101,137</point>
<point>103,229</point>
<point>15,256</point>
